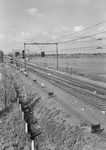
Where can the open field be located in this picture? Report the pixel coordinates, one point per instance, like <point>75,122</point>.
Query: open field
<point>93,68</point>
<point>84,65</point>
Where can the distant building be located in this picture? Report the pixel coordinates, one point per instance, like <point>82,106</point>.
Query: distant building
<point>1,56</point>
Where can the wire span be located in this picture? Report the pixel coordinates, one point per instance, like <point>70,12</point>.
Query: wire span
<point>78,31</point>
<point>82,37</point>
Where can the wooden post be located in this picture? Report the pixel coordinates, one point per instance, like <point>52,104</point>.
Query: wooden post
<point>25,55</point>
<point>26,127</point>
<point>20,107</point>
<point>22,115</point>
<point>57,54</point>
<point>17,101</point>
<point>67,67</point>
<point>32,145</point>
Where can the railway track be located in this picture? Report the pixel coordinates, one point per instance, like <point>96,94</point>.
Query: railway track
<point>82,90</point>
<point>87,97</point>
<point>73,81</point>
<point>83,95</point>
<point>75,85</point>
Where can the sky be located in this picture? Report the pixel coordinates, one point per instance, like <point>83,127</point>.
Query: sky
<point>45,20</point>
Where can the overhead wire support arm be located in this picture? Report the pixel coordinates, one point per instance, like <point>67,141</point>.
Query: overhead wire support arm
<point>36,43</point>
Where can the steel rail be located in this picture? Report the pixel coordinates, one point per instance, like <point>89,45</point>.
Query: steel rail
<point>82,118</point>
<point>75,82</point>
<point>88,98</point>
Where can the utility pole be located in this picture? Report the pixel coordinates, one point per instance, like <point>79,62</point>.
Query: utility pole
<point>5,87</point>
<point>25,55</point>
<point>5,91</point>
<point>67,67</point>
<point>28,55</point>
<point>57,54</point>
<point>13,57</point>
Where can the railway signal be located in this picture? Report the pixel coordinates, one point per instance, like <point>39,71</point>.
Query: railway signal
<point>17,54</point>
<point>43,54</point>
<point>23,54</point>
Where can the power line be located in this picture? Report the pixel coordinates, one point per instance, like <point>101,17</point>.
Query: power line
<point>82,37</point>
<point>97,47</point>
<point>40,48</point>
<point>75,48</point>
<point>79,31</point>
<point>87,41</point>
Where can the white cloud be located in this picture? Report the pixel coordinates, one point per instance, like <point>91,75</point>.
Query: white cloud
<point>2,37</point>
<point>40,16</point>
<point>6,39</point>
<point>44,33</point>
<point>32,11</point>
<point>85,2</point>
<point>78,28</point>
<point>25,34</point>
<point>57,1</point>
<point>29,35</point>
<point>55,30</point>
<point>102,28</point>
<point>64,28</point>
<point>54,37</point>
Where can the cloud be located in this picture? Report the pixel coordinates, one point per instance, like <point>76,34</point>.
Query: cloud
<point>23,36</point>
<point>40,16</point>
<point>44,33</point>
<point>102,28</point>
<point>78,28</point>
<point>57,1</point>
<point>32,11</point>
<point>2,36</point>
<point>26,34</point>
<point>53,37</point>
<point>6,39</point>
<point>85,2</point>
<point>64,28</point>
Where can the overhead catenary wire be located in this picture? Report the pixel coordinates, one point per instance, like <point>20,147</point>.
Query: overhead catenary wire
<point>82,37</point>
<point>74,48</point>
<point>78,31</point>
<point>40,48</point>
<point>73,40</point>
<point>85,47</point>
<point>84,41</point>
